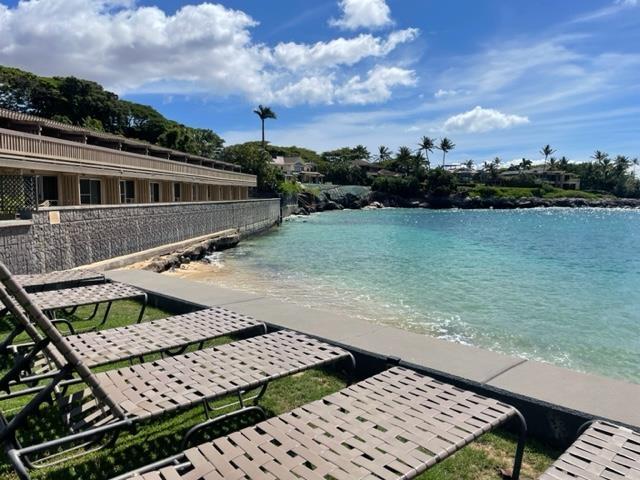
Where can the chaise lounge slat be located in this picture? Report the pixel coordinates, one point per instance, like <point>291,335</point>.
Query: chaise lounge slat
<point>58,279</point>
<point>603,452</point>
<point>176,332</point>
<point>87,295</point>
<point>148,389</point>
<point>392,426</point>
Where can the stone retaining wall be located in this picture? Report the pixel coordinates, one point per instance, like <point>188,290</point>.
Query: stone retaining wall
<point>90,234</point>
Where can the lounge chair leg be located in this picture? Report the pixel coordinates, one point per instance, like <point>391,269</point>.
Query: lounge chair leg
<point>66,322</point>
<point>352,371</point>
<point>14,373</point>
<point>17,463</point>
<point>522,438</point>
<point>260,394</point>
<point>6,343</point>
<point>144,307</point>
<point>207,423</point>
<point>93,314</point>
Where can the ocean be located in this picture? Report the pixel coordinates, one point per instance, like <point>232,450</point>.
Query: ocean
<point>556,285</point>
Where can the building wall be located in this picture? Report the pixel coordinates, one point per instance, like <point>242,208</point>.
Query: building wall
<point>90,234</point>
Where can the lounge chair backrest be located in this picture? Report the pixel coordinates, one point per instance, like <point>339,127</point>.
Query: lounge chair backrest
<point>57,340</point>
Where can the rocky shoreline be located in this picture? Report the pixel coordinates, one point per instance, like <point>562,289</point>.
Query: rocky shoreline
<point>358,197</point>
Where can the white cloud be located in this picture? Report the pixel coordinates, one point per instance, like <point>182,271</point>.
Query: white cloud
<point>310,90</point>
<point>340,51</point>
<point>376,87</point>
<point>363,14</point>
<point>446,93</point>
<point>205,49</point>
<point>482,120</point>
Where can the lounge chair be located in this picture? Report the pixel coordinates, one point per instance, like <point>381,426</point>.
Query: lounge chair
<point>58,279</point>
<point>604,451</point>
<point>69,299</point>
<point>118,400</point>
<point>171,336</point>
<point>394,425</point>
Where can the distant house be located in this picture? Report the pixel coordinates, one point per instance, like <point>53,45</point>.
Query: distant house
<point>387,173</point>
<point>370,169</point>
<point>462,173</point>
<point>556,178</point>
<point>295,168</point>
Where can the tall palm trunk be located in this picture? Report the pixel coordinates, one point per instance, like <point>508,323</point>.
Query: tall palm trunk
<point>262,119</point>
<point>444,154</point>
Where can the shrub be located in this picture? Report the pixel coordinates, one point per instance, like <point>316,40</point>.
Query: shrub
<point>486,192</point>
<point>401,186</point>
<point>441,183</point>
<point>290,188</point>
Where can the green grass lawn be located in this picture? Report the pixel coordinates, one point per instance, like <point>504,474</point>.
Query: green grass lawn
<point>161,437</point>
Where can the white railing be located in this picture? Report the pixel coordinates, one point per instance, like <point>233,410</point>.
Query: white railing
<point>19,143</point>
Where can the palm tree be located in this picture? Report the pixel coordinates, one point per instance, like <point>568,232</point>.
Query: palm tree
<point>546,151</point>
<point>360,152</point>
<point>553,163</point>
<point>384,153</point>
<point>445,145</point>
<point>469,164</point>
<point>427,145</point>
<point>599,156</point>
<point>525,164</point>
<point>264,113</point>
<point>563,163</point>
<point>404,159</point>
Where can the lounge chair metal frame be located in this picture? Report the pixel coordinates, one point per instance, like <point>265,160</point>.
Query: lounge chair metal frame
<point>59,279</point>
<point>98,414</point>
<point>394,425</point>
<point>168,337</point>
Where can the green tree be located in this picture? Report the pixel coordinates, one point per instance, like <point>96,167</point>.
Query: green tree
<point>426,145</point>
<point>384,153</point>
<point>525,164</point>
<point>440,182</point>
<point>546,151</point>
<point>257,161</point>
<point>360,152</point>
<point>445,146</point>
<point>264,113</point>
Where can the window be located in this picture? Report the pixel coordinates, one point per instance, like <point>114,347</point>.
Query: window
<point>48,189</point>
<point>176,192</point>
<point>127,191</point>
<point>154,192</point>
<point>90,191</point>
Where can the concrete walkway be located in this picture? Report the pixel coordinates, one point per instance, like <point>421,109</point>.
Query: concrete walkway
<point>594,395</point>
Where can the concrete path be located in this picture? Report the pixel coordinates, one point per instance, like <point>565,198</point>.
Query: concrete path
<point>594,395</point>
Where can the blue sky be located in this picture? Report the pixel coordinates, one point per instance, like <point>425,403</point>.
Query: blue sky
<point>499,77</point>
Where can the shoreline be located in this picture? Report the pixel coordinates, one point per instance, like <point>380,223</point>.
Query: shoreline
<point>338,197</point>
<point>557,397</point>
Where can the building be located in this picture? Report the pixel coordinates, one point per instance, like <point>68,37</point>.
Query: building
<point>49,163</point>
<point>370,169</point>
<point>462,172</point>
<point>555,178</point>
<point>295,168</point>
<point>71,196</point>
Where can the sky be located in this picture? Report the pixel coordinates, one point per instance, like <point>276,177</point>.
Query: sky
<point>498,77</point>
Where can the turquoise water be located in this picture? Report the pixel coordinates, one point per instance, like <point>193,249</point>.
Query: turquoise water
<point>557,285</point>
